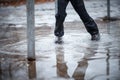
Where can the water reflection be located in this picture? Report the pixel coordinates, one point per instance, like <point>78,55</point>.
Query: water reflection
<point>91,50</point>
<point>89,55</point>
<point>108,27</point>
<point>107,64</point>
<point>113,51</point>
<point>62,68</point>
<point>61,64</point>
<point>80,71</point>
<point>32,70</point>
<point>12,68</point>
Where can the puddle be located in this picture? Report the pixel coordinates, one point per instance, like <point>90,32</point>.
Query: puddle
<point>77,58</point>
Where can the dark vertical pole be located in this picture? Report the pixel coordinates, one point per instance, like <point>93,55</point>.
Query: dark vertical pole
<point>108,9</point>
<point>30,29</point>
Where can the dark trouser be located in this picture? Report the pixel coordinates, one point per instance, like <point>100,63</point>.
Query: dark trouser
<point>79,7</point>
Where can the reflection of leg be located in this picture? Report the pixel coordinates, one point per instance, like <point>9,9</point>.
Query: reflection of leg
<point>60,17</point>
<point>62,70</point>
<point>59,40</point>
<point>89,23</point>
<point>79,73</point>
<point>61,65</point>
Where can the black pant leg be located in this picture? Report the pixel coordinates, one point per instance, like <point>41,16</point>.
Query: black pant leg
<point>89,23</point>
<point>60,17</point>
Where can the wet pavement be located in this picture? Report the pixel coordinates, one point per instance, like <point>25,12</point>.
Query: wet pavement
<point>77,58</point>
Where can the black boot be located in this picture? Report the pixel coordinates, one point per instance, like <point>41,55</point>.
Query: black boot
<point>95,37</point>
<point>59,40</point>
<point>59,27</point>
<point>89,23</point>
<point>59,30</point>
<point>92,28</point>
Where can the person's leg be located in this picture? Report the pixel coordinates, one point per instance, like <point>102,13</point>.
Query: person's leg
<point>60,17</point>
<point>89,23</point>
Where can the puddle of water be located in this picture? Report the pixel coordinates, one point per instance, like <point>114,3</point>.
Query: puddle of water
<point>78,58</point>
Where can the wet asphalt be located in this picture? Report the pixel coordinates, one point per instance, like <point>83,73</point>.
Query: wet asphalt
<point>77,58</point>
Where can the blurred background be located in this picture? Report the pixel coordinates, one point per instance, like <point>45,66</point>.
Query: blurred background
<point>19,2</point>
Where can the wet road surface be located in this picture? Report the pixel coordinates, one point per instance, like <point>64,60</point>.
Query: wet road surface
<point>78,58</point>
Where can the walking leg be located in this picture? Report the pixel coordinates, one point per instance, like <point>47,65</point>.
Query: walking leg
<point>89,23</point>
<point>60,17</point>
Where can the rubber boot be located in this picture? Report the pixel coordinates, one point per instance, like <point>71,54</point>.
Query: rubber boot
<point>59,27</point>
